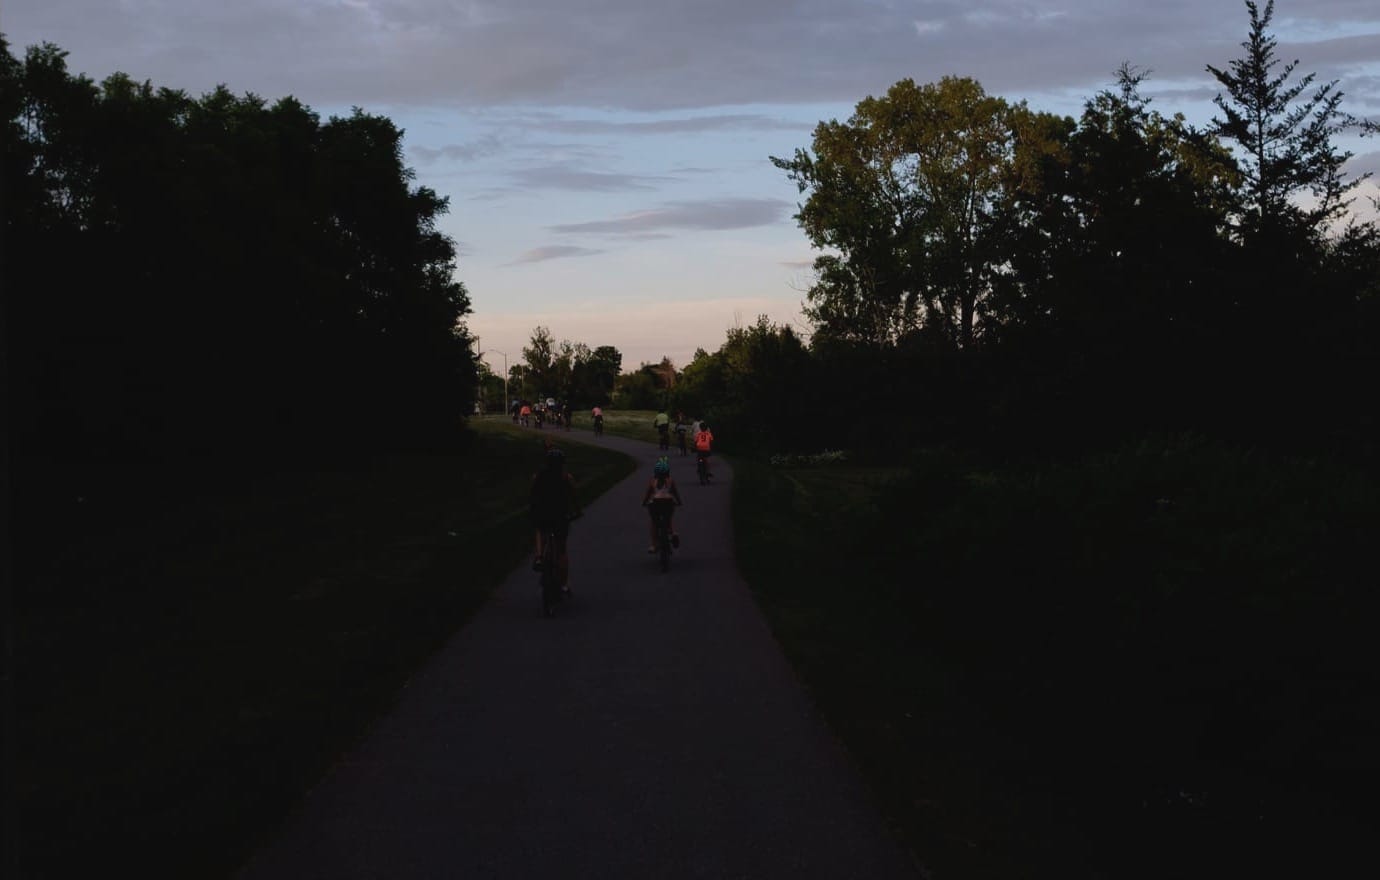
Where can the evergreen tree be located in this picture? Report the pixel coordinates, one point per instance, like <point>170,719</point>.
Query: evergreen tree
<point>1285,134</point>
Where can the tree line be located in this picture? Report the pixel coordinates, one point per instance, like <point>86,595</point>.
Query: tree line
<point>993,275</point>
<point>217,276</point>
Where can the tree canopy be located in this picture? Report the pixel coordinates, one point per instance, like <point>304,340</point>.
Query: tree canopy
<point>220,274</point>
<point>989,272</point>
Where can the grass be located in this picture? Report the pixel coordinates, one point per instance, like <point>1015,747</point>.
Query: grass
<point>189,669</point>
<point>1153,663</point>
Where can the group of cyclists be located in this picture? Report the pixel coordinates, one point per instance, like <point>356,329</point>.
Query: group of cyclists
<point>684,428</point>
<point>553,502</point>
<point>527,413</point>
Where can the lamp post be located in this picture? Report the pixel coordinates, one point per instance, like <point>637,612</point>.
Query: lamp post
<point>506,405</point>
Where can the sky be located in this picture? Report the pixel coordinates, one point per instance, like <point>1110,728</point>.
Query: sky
<point>607,162</point>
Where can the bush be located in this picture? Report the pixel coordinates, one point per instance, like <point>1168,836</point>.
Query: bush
<point>1174,636</point>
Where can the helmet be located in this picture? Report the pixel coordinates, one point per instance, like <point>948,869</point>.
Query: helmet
<point>555,459</point>
<point>662,467</point>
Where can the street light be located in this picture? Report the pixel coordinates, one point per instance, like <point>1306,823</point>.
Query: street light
<point>506,405</point>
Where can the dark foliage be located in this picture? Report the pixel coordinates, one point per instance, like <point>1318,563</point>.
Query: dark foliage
<point>214,278</point>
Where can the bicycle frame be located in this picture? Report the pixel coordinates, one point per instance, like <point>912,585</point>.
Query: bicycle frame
<point>550,577</point>
<point>662,519</point>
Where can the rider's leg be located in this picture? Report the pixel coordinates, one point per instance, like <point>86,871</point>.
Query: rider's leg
<point>651,544</point>
<point>564,563</point>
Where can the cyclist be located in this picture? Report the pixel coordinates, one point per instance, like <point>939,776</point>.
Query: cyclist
<point>662,423</point>
<point>704,440</point>
<point>681,429</point>
<point>553,504</point>
<point>525,413</point>
<point>597,414</point>
<point>662,498</point>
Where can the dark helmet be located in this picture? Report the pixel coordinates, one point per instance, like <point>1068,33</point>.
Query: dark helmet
<point>555,459</point>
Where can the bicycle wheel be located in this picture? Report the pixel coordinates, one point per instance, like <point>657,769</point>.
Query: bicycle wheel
<point>550,575</point>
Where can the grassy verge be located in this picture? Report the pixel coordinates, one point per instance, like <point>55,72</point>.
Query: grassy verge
<point>187,672</point>
<point>1148,664</point>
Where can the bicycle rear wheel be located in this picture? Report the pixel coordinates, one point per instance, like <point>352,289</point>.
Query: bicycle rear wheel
<point>550,575</point>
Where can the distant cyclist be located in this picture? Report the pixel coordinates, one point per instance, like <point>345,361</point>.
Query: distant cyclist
<point>704,441</point>
<point>553,504</point>
<point>662,498</point>
<point>598,416</point>
<point>682,428</point>
<point>662,423</point>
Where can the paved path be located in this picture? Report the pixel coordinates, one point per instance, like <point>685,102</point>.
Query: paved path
<point>652,729</point>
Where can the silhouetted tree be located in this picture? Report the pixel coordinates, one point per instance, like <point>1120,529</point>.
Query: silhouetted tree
<point>1285,134</point>
<point>908,193</point>
<point>219,275</point>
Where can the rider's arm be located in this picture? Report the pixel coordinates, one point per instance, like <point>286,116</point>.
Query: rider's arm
<point>675,491</point>
<point>647,496</point>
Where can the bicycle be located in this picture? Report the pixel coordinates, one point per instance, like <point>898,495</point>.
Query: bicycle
<point>598,426</point>
<point>554,569</point>
<point>661,517</point>
<point>702,468</point>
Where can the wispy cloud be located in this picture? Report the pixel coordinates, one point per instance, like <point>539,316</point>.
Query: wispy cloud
<point>1366,163</point>
<point>713,214</point>
<point>566,178</point>
<point>682,125</point>
<point>663,56</point>
<point>487,145</point>
<point>552,252</point>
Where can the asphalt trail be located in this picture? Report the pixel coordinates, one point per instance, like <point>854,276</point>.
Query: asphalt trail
<point>652,729</point>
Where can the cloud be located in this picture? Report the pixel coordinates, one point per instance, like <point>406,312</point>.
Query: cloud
<point>552,252</point>
<point>566,178</point>
<point>663,55</point>
<point>1362,93</point>
<point>713,214</point>
<point>682,125</point>
<point>1366,163</point>
<point>486,145</point>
